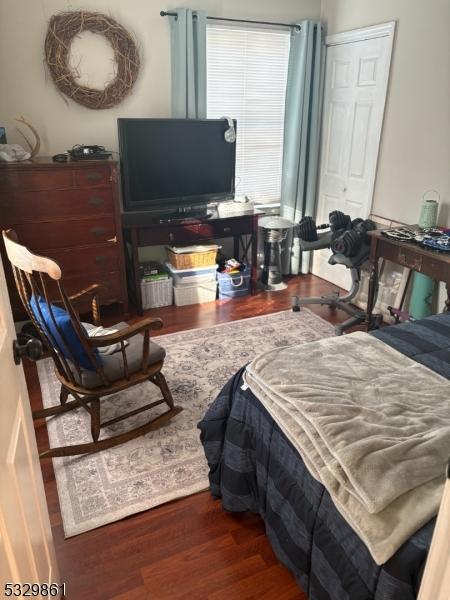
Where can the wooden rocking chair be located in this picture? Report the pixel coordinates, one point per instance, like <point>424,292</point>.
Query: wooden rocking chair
<point>84,372</point>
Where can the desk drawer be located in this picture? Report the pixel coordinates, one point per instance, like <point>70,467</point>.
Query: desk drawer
<point>66,234</point>
<point>194,232</point>
<point>432,264</point>
<point>92,259</point>
<point>22,207</point>
<point>162,235</point>
<point>225,228</point>
<point>409,259</point>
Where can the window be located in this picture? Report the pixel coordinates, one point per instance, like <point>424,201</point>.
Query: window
<point>247,73</point>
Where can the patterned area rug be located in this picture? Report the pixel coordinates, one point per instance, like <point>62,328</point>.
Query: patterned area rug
<point>168,463</point>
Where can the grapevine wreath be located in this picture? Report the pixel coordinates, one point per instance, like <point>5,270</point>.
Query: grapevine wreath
<point>62,29</point>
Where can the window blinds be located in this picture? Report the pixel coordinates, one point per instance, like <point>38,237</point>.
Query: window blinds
<point>247,73</point>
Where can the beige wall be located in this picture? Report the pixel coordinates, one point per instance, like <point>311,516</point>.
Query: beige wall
<point>415,146</point>
<point>26,90</point>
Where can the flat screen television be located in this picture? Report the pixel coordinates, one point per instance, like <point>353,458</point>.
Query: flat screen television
<point>170,163</point>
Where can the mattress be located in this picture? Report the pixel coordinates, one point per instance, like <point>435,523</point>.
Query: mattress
<point>253,466</point>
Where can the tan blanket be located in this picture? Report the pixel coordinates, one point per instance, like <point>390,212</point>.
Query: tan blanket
<point>371,424</point>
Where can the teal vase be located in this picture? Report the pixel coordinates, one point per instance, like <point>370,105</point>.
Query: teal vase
<point>421,303</point>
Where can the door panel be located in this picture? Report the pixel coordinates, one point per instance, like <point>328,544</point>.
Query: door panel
<point>336,138</point>
<point>358,145</point>
<point>355,90</point>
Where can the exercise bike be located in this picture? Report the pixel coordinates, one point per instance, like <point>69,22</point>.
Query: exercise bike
<point>350,246</point>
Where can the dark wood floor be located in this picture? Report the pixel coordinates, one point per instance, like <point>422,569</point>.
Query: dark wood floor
<point>189,548</point>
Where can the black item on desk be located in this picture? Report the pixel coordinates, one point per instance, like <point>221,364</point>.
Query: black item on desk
<point>60,158</point>
<point>399,233</point>
<point>81,152</point>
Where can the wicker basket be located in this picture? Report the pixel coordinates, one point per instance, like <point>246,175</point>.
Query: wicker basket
<point>192,259</point>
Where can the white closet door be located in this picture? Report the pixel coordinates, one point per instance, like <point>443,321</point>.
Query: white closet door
<point>357,72</point>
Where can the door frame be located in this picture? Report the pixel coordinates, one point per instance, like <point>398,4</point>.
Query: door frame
<point>360,35</point>
<point>435,582</point>
<point>383,30</point>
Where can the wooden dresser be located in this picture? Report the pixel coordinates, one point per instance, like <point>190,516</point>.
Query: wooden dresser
<point>69,212</point>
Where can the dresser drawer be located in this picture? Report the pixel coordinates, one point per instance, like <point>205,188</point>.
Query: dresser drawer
<point>92,176</point>
<point>72,285</point>
<point>75,284</point>
<point>91,259</point>
<point>66,234</point>
<point>36,179</point>
<point>22,207</point>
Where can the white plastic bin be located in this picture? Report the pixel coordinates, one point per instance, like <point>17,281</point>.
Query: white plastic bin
<point>195,294</point>
<point>192,276</point>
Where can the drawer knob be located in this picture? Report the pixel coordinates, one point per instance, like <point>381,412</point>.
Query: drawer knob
<point>227,229</point>
<point>94,176</point>
<point>171,237</point>
<point>98,231</point>
<point>95,201</point>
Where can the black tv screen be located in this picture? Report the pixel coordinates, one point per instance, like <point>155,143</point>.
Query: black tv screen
<point>169,162</point>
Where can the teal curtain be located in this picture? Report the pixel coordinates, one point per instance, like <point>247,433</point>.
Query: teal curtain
<point>188,50</point>
<point>302,135</point>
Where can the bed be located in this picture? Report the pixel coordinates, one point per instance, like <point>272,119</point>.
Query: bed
<point>254,467</point>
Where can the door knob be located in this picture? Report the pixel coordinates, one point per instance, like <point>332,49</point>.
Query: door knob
<point>32,349</point>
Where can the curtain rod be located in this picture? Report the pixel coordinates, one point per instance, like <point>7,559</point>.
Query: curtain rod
<point>163,13</point>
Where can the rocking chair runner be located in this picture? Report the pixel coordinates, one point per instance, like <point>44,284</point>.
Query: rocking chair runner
<point>136,359</point>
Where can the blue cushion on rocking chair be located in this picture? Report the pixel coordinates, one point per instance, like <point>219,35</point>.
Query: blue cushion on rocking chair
<point>68,343</point>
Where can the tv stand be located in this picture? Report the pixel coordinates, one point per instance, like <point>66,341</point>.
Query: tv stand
<point>143,230</point>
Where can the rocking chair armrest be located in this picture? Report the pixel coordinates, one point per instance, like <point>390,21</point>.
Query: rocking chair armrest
<point>92,290</point>
<point>142,326</point>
